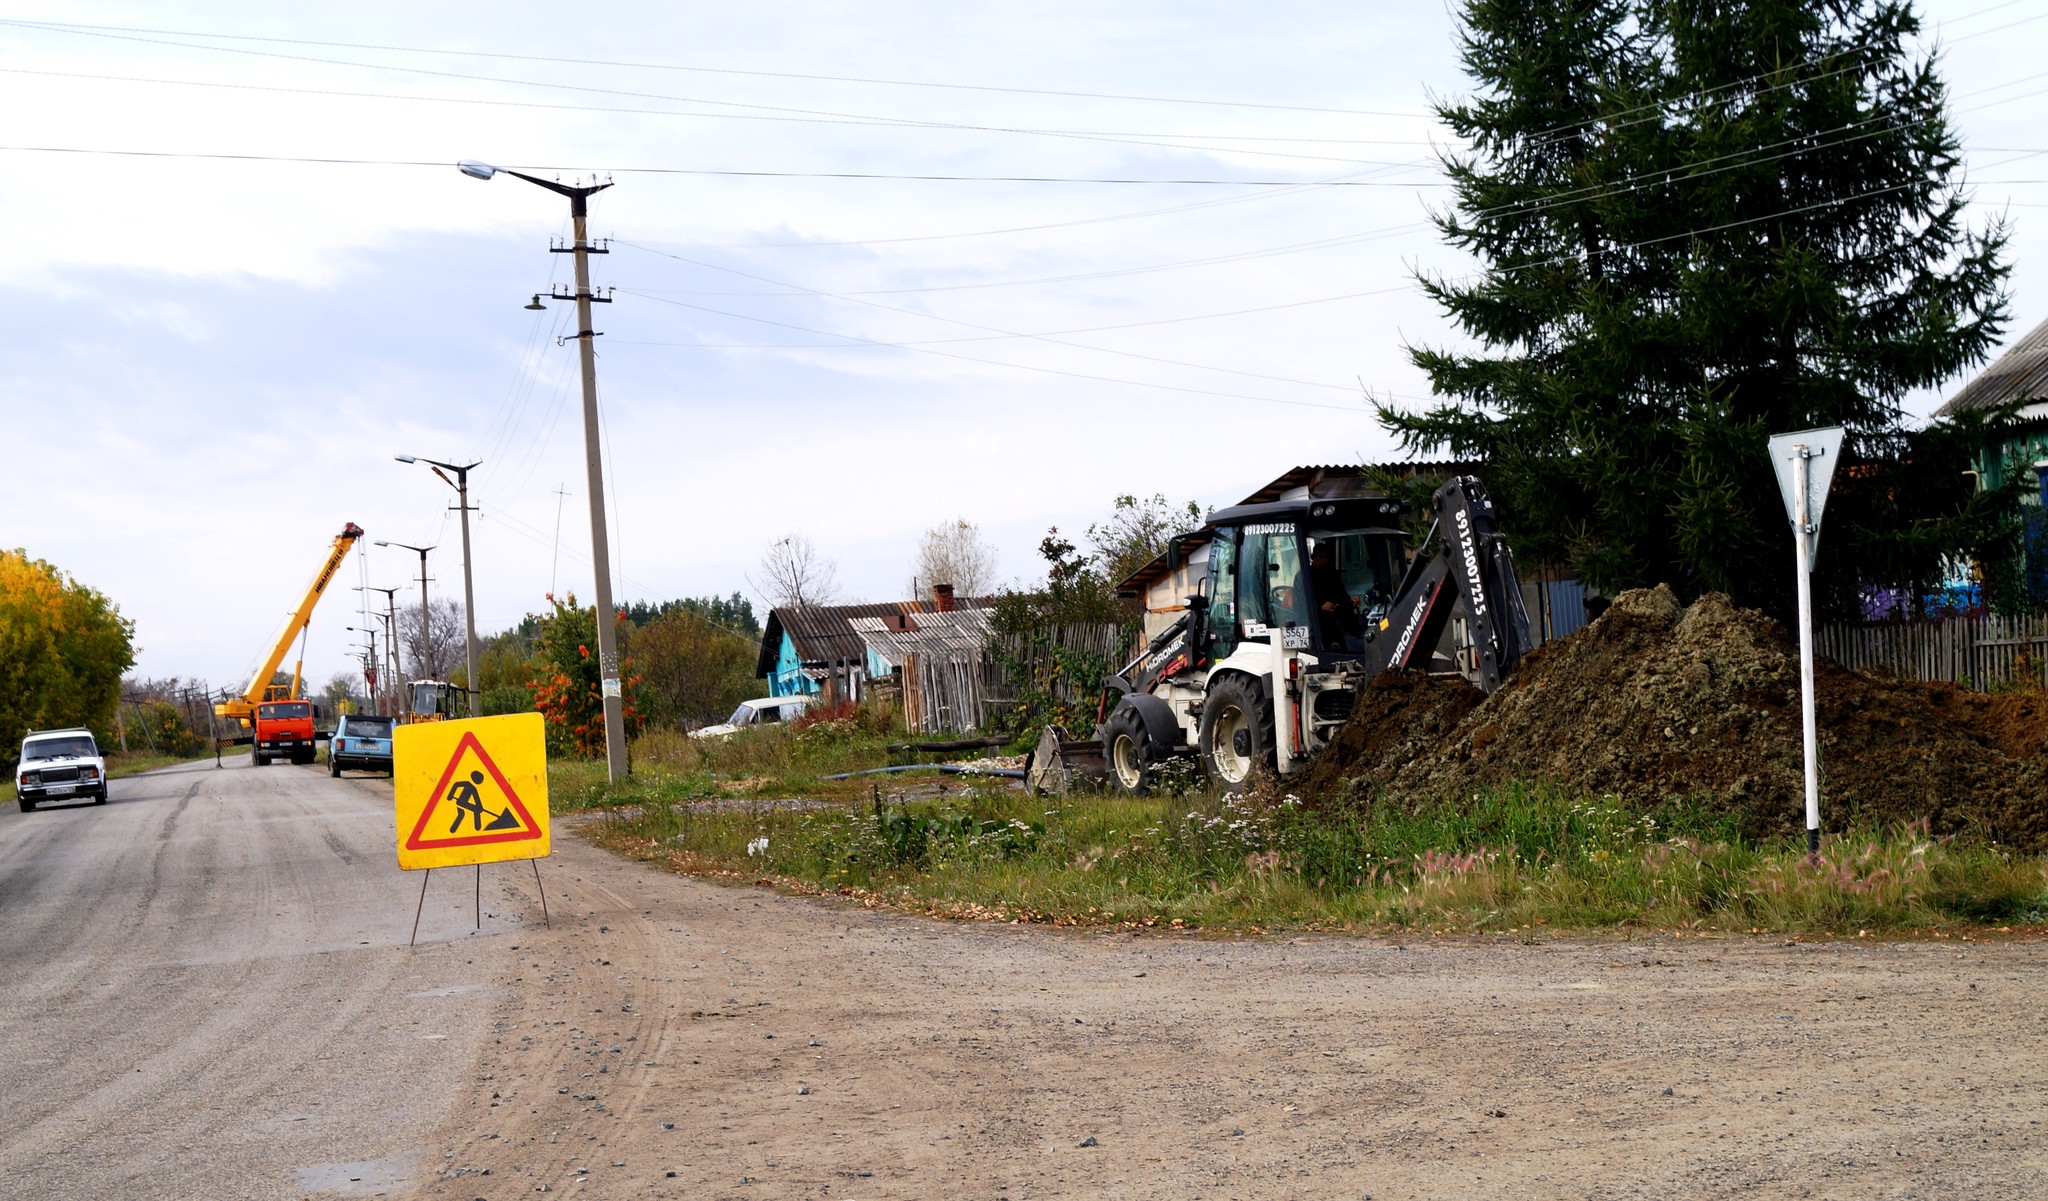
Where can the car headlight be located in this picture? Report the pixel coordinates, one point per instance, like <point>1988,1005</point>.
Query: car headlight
<point>88,773</point>
<point>31,777</point>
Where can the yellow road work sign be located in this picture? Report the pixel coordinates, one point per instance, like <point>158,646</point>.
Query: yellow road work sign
<point>472,791</point>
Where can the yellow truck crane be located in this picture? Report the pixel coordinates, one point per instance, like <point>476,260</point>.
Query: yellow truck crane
<point>280,724</point>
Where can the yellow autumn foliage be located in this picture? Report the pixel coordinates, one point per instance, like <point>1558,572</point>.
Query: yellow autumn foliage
<point>63,650</point>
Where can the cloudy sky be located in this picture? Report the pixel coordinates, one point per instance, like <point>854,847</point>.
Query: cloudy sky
<point>211,361</point>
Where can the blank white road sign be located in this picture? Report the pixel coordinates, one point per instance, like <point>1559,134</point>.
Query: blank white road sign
<point>1824,448</point>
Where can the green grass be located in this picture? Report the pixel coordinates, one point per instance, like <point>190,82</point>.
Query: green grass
<point>1518,860</point>
<point>776,762</point>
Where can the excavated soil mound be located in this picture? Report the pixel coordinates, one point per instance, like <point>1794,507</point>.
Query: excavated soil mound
<point>1655,701</point>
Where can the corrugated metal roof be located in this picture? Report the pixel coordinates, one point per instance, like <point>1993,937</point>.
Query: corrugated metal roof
<point>822,635</point>
<point>1320,475</point>
<point>2021,373</point>
<point>1332,477</point>
<point>956,636</point>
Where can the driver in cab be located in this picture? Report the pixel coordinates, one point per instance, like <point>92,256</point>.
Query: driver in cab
<point>1336,609</point>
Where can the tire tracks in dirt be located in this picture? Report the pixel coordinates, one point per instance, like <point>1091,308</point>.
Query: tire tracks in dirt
<point>804,1048</point>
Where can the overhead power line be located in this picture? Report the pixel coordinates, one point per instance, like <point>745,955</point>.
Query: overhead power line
<point>855,298</point>
<point>744,174</point>
<point>912,122</point>
<point>870,123</point>
<point>733,71</point>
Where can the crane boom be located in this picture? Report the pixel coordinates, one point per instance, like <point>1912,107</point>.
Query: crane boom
<point>244,706</point>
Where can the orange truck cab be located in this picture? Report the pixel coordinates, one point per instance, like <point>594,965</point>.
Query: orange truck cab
<point>284,730</point>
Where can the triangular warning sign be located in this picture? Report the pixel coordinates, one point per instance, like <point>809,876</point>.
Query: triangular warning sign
<point>471,805</point>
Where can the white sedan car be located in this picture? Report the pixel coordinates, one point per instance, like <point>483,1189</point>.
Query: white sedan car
<point>768,711</point>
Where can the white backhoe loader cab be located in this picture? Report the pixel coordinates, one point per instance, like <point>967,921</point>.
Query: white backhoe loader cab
<point>1300,603</point>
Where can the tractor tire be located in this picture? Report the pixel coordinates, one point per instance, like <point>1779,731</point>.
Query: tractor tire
<point>1128,751</point>
<point>1236,735</point>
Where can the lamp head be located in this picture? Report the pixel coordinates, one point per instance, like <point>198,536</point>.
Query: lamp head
<point>535,304</point>
<point>475,169</point>
<point>403,459</point>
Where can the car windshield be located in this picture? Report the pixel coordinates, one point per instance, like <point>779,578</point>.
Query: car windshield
<point>740,716</point>
<point>58,748</point>
<point>369,727</point>
<point>282,711</point>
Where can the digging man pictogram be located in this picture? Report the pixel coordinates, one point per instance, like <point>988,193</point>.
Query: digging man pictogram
<point>469,803</point>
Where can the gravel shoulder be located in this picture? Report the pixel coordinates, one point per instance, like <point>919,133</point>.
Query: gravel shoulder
<point>669,1037</point>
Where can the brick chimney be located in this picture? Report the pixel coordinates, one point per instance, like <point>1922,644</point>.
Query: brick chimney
<point>942,598</point>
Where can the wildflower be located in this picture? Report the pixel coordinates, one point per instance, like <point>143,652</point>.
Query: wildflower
<point>758,846</point>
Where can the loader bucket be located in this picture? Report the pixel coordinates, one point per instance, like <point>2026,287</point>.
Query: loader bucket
<point>1062,764</point>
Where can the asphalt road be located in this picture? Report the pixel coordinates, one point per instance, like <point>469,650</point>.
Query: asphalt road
<point>205,989</point>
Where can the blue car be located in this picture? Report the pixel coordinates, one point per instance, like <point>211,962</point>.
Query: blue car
<point>361,742</point>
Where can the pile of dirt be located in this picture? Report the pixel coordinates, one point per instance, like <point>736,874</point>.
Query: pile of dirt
<point>1655,700</point>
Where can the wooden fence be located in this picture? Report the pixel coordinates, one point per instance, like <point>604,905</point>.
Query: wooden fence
<point>1029,662</point>
<point>1975,652</point>
<point>944,695</point>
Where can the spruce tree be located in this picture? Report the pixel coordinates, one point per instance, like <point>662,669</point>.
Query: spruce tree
<point>1700,224</point>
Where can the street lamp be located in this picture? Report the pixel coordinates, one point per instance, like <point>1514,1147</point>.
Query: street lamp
<point>390,616</point>
<point>600,544</point>
<point>426,631</point>
<point>461,485</point>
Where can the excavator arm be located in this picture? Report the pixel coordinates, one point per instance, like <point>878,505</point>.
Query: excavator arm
<point>244,706</point>
<point>1474,564</point>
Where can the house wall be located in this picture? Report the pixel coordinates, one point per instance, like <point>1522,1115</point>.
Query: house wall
<point>2020,451</point>
<point>788,678</point>
<point>1166,598</point>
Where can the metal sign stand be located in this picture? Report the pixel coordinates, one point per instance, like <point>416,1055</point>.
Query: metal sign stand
<point>428,874</point>
<point>419,908</point>
<point>1805,492</point>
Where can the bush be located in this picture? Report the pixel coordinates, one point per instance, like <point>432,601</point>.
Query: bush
<point>162,728</point>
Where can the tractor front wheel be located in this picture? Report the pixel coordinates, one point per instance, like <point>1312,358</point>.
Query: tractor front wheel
<point>1128,749</point>
<point>1236,735</point>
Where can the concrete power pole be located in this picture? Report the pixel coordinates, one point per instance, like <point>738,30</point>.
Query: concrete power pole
<point>600,540</point>
<point>426,618</point>
<point>461,485</point>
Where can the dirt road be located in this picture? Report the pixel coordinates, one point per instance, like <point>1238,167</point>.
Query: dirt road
<point>205,992</point>
<point>759,1046</point>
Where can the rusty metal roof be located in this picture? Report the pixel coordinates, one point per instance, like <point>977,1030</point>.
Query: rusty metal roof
<point>957,636</point>
<point>2021,373</point>
<point>822,634</point>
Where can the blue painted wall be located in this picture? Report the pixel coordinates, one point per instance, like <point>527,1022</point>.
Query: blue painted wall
<point>789,679</point>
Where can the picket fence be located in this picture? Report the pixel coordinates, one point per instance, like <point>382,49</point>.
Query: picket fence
<point>1977,652</point>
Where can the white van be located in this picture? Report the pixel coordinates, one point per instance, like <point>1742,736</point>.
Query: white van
<point>768,711</point>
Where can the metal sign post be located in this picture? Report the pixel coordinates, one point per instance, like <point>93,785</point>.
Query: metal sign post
<point>1805,487</point>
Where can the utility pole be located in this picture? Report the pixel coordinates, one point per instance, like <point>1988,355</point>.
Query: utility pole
<point>390,619</point>
<point>371,669</point>
<point>461,485</point>
<point>600,541</point>
<point>426,628</point>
